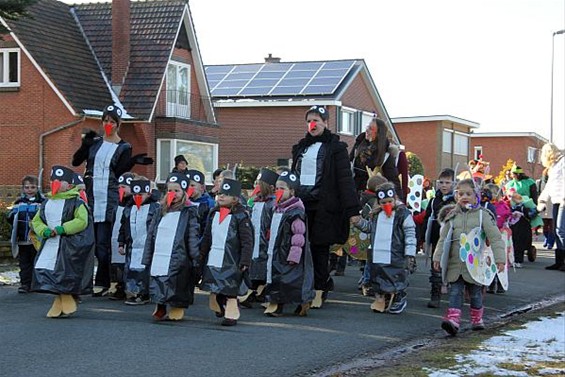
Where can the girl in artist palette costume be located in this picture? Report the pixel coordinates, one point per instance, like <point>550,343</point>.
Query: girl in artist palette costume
<point>226,250</point>
<point>68,237</point>
<point>135,222</point>
<point>107,158</point>
<point>263,198</point>
<point>171,251</point>
<point>290,272</point>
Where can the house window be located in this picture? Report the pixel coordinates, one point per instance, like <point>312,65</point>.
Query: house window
<point>9,67</point>
<point>347,122</point>
<point>366,119</point>
<point>446,143</point>
<point>478,152</point>
<point>532,155</point>
<point>200,156</point>
<point>178,90</point>
<point>461,145</point>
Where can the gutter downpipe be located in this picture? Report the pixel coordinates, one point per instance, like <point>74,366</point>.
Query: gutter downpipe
<point>42,141</point>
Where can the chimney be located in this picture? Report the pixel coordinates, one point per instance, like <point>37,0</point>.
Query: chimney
<point>272,59</point>
<point>121,26</point>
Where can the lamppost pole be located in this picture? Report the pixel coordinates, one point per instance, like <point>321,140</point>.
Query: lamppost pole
<point>552,63</point>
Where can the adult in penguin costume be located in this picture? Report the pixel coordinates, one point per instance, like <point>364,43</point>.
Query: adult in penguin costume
<point>63,223</point>
<point>327,191</point>
<point>87,284</point>
<point>171,251</point>
<point>290,273</point>
<point>226,250</point>
<point>393,234</point>
<point>107,157</point>
<point>135,223</point>
<point>263,199</point>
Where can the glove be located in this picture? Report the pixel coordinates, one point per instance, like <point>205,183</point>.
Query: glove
<point>59,230</point>
<point>541,207</point>
<point>89,137</point>
<point>46,233</point>
<point>142,159</point>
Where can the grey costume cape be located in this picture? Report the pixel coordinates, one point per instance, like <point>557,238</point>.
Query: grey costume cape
<point>72,272</point>
<point>102,183</point>
<point>392,277</point>
<point>225,248</point>
<point>261,216</point>
<point>134,227</point>
<point>290,284</point>
<point>171,249</point>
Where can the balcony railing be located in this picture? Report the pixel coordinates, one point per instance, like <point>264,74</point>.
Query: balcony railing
<point>184,105</point>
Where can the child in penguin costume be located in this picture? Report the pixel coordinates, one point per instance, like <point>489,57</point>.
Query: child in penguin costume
<point>63,223</point>
<point>263,198</point>
<point>290,272</point>
<point>393,237</point>
<point>199,197</point>
<point>171,251</point>
<point>226,250</point>
<point>118,260</point>
<point>135,223</point>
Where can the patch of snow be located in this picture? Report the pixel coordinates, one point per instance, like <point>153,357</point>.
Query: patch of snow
<point>540,341</point>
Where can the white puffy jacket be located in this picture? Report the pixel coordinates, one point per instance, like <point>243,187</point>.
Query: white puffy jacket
<point>555,187</point>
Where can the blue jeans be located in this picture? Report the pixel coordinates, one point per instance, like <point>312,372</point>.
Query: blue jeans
<point>366,273</point>
<point>457,291</point>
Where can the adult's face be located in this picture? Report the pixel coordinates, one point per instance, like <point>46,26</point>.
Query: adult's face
<point>371,132</point>
<point>318,124</point>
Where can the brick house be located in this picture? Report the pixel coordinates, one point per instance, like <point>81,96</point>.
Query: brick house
<point>261,106</point>
<point>498,147</point>
<point>441,141</point>
<point>64,64</point>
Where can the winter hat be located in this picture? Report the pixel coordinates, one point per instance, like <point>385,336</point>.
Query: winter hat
<point>181,179</point>
<point>140,186</point>
<point>62,173</point>
<point>268,176</point>
<point>180,158</point>
<point>230,187</point>
<point>113,112</point>
<point>196,176</point>
<point>386,191</point>
<point>290,179</point>
<point>77,180</point>
<point>320,110</point>
<point>517,170</point>
<point>125,179</point>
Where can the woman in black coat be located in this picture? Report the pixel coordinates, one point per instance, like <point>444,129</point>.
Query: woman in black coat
<point>328,192</point>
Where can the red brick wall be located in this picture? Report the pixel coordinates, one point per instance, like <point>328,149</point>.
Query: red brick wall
<point>497,150</point>
<point>423,139</point>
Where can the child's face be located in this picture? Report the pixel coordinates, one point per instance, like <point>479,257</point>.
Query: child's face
<point>284,191</point>
<point>224,200</point>
<point>177,190</point>
<point>445,185</point>
<point>466,196</point>
<point>126,189</point>
<point>63,186</point>
<point>29,189</point>
<point>197,193</point>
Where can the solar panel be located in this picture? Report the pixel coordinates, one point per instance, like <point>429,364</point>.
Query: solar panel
<point>277,79</point>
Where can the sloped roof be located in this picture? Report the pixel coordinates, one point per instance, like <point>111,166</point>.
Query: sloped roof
<point>56,43</point>
<point>154,26</point>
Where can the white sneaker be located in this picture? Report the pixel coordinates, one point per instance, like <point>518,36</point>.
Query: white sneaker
<point>517,265</point>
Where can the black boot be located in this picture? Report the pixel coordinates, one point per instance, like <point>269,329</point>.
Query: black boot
<point>559,260</point>
<point>435,296</point>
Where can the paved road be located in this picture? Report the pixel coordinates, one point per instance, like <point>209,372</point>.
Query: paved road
<point>107,338</point>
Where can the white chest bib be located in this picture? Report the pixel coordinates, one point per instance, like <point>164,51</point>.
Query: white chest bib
<point>219,237</point>
<point>308,165</point>
<point>100,179</point>
<point>275,225</point>
<point>256,221</point>
<point>383,238</point>
<point>53,215</point>
<point>164,240</point>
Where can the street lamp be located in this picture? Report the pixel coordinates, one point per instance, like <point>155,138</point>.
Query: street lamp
<point>552,59</point>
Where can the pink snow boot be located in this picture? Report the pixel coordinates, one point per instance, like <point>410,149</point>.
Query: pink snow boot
<point>477,319</point>
<point>451,321</point>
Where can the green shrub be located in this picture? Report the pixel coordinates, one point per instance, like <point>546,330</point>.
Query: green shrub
<point>5,227</point>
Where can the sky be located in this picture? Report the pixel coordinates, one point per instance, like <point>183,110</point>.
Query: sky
<point>487,61</point>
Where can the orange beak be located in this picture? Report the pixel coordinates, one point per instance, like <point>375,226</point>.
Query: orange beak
<point>138,199</point>
<point>387,207</point>
<point>278,194</point>
<point>83,196</point>
<point>311,126</point>
<point>256,190</point>
<point>108,129</point>
<point>170,198</point>
<point>55,187</point>
<point>223,213</point>
<point>189,192</point>
<point>121,193</point>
